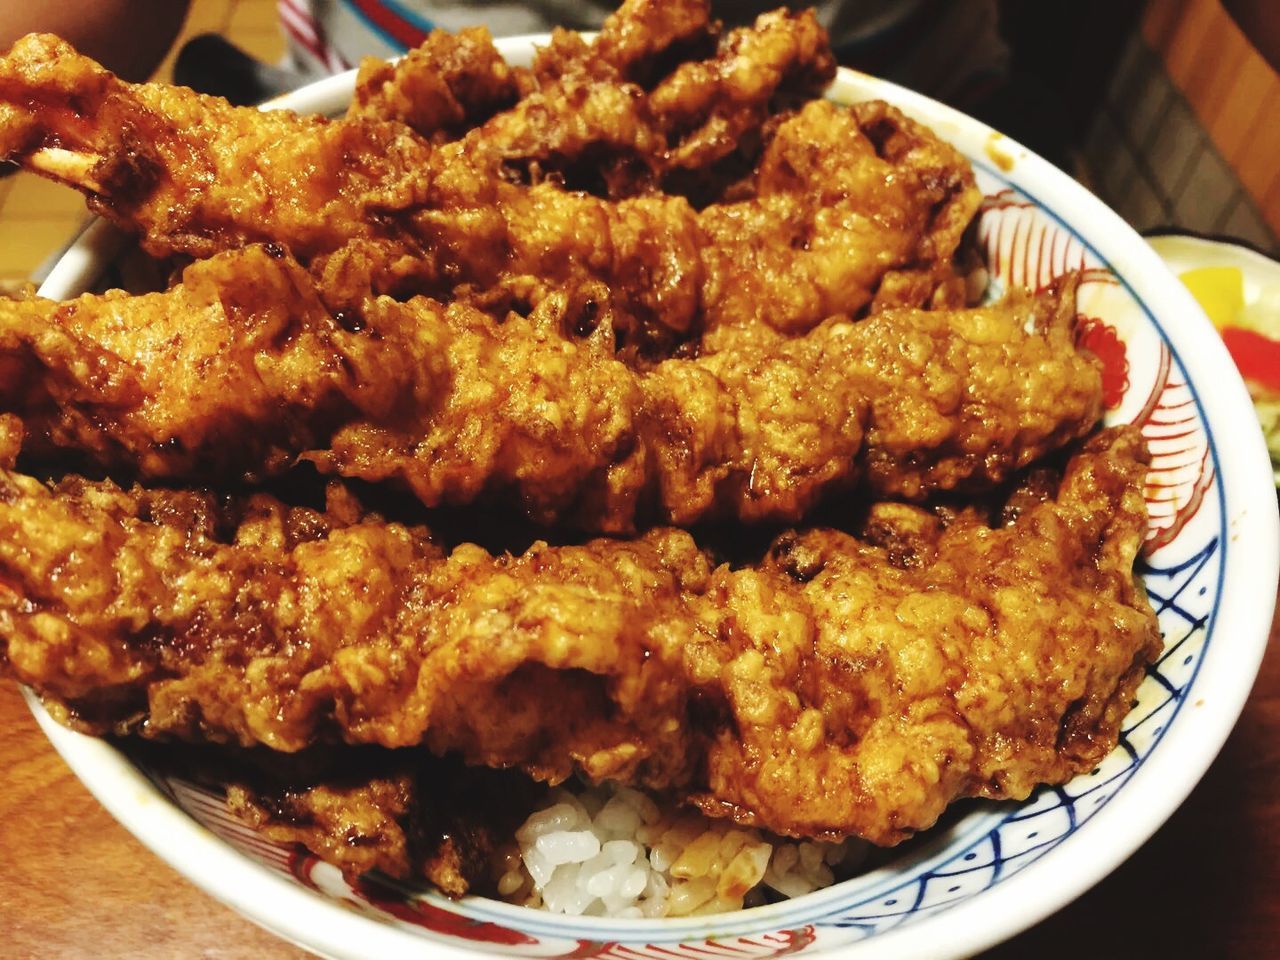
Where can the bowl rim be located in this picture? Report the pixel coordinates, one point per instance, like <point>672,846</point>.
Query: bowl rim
<point>1133,814</point>
<point>1248,251</point>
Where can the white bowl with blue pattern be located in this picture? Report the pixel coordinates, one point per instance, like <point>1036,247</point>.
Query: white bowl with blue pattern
<point>1210,568</point>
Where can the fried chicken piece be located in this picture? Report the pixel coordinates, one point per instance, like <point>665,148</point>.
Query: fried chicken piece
<point>962,399</point>
<point>371,206</point>
<point>445,831</point>
<point>842,686</point>
<point>587,113</point>
<point>704,107</point>
<point>229,373</point>
<point>940,177</point>
<point>356,826</point>
<point>581,135</point>
<point>192,174</point>
<point>520,413</point>
<point>240,370</point>
<point>525,201</point>
<point>636,37</point>
<point>708,115</point>
<point>758,435</point>
<point>848,206</point>
<point>645,249</point>
<point>707,107</point>
<point>840,205</point>
<point>404,813</point>
<point>376,635</point>
<point>446,85</point>
<point>953,660</point>
<point>635,43</point>
<point>915,401</point>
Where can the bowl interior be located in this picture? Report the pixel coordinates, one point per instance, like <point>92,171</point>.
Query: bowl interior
<point>1209,566</point>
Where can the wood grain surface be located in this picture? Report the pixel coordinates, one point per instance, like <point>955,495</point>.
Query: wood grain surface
<point>1228,72</point>
<point>75,884</point>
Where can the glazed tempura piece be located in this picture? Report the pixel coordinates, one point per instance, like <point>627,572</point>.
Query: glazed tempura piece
<point>240,370</point>
<point>840,686</point>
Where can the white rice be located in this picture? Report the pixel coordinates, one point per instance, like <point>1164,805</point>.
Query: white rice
<point>612,851</point>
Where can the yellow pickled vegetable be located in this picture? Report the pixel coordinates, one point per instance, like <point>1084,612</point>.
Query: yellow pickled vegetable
<point>1220,292</point>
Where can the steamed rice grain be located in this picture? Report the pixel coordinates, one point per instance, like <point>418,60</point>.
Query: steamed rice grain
<point>614,851</point>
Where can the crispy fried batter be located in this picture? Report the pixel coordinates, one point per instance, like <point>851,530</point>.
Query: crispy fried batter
<point>834,212</point>
<point>941,179</point>
<point>881,203</point>
<point>357,826</point>
<point>706,107</point>
<point>486,234</point>
<point>193,174</point>
<point>240,370</point>
<point>449,83</point>
<point>634,43</point>
<point>231,372</point>
<point>947,383</point>
<point>949,400</point>
<point>848,206</point>
<point>405,814</point>
<point>840,686</point>
<point>952,661</point>
<point>581,135</point>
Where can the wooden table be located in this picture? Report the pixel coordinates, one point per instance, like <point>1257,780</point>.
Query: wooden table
<point>75,884</point>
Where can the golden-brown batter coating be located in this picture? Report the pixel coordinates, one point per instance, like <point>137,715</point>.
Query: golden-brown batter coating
<point>229,373</point>
<point>951,659</point>
<point>582,135</point>
<point>358,826</point>
<point>706,107</point>
<point>240,369</point>
<point>842,686</point>
<point>840,203</point>
<point>404,813</point>
<point>848,207</point>
<point>537,239</point>
<point>192,174</point>
<point>449,83</point>
<point>960,399</point>
<point>634,44</point>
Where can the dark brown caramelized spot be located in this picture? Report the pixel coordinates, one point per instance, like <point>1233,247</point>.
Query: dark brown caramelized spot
<point>797,559</point>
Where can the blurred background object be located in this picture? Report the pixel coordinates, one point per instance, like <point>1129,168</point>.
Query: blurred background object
<point>95,28</point>
<point>1187,133</point>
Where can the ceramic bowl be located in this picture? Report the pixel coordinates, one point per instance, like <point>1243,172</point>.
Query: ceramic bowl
<point>1210,566</point>
<point>1260,276</point>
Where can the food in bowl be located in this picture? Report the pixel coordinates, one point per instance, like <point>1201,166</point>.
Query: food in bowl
<point>620,301</point>
<point>1249,329</point>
